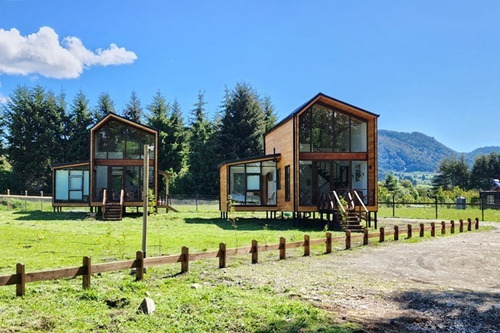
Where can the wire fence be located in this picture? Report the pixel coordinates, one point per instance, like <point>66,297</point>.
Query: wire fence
<point>30,201</point>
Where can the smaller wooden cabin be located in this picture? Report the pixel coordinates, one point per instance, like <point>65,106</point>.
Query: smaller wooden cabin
<point>112,176</point>
<point>322,159</point>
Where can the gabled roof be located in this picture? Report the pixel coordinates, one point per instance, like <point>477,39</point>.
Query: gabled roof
<point>129,122</point>
<point>319,97</point>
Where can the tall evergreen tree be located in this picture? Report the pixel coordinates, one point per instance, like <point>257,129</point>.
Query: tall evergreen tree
<point>202,166</point>
<point>176,140</point>
<point>269,114</point>
<point>484,169</point>
<point>452,172</point>
<point>104,106</point>
<point>158,119</point>
<point>80,121</point>
<point>35,135</point>
<point>133,109</point>
<point>243,124</point>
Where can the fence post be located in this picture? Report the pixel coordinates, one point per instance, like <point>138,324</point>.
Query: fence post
<point>443,228</point>
<point>469,224</point>
<point>307,247</point>
<point>196,201</point>
<point>41,201</point>
<point>282,248</point>
<point>365,236</point>
<point>409,231</point>
<point>433,229</point>
<point>255,252</point>
<point>477,223</point>
<point>482,208</point>
<point>461,227</point>
<point>25,200</point>
<point>185,260</point>
<point>139,271</point>
<point>21,280</point>
<point>382,235</point>
<point>436,202</point>
<point>347,239</point>
<point>8,199</point>
<point>393,206</point>
<point>396,233</point>
<point>222,255</point>
<point>87,267</point>
<point>452,228</point>
<point>422,230</point>
<point>328,242</point>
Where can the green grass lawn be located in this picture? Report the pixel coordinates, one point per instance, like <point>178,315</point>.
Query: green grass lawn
<point>444,213</point>
<point>45,240</point>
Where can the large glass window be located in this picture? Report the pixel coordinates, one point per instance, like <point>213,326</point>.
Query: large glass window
<point>115,178</point>
<point>325,129</point>
<point>322,176</point>
<point>115,140</point>
<point>253,183</point>
<point>72,184</point>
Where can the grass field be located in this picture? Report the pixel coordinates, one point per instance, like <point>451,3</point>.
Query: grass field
<point>46,240</point>
<point>444,213</point>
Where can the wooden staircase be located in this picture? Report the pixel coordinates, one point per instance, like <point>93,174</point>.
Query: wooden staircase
<point>330,202</point>
<point>353,221</point>
<point>112,211</point>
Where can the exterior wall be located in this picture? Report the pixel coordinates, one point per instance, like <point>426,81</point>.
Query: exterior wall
<point>370,156</point>
<point>280,140</point>
<point>223,187</point>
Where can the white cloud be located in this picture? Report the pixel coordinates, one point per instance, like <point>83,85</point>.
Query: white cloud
<point>42,53</point>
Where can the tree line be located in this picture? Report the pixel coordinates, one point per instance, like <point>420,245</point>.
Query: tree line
<point>454,178</point>
<point>39,129</point>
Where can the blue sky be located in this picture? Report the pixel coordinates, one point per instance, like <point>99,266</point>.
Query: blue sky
<point>427,66</point>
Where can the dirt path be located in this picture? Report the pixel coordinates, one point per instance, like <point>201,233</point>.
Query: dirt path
<point>444,284</point>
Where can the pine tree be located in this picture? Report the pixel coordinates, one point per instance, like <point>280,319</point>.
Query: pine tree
<point>158,119</point>
<point>133,109</point>
<point>269,114</point>
<point>176,139</point>
<point>34,122</point>
<point>243,124</point>
<point>80,121</point>
<point>104,106</point>
<point>202,164</point>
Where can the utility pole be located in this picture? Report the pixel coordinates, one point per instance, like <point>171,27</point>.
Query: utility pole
<point>145,198</point>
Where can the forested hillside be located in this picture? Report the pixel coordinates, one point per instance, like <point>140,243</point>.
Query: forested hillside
<point>412,152</point>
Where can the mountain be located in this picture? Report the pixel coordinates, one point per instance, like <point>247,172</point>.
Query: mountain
<point>414,152</point>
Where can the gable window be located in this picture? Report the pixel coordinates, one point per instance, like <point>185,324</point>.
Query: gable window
<point>324,129</point>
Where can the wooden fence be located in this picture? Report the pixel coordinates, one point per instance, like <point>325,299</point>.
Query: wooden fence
<point>140,263</point>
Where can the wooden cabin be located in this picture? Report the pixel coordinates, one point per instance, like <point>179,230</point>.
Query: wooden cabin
<point>113,176</point>
<point>319,162</point>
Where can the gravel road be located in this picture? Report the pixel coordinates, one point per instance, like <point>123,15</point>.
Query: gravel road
<point>446,284</point>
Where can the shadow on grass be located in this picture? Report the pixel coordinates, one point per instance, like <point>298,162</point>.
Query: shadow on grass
<point>37,215</point>
<point>436,311</point>
<point>255,224</point>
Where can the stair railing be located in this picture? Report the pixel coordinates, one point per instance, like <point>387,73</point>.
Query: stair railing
<point>122,195</point>
<point>362,204</point>
<point>339,203</point>
<point>104,196</point>
<point>350,202</point>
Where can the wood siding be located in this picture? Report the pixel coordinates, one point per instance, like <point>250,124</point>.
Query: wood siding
<point>280,140</point>
<point>223,190</point>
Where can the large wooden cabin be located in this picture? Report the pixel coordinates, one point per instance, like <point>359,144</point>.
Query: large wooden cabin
<point>113,176</point>
<point>318,162</point>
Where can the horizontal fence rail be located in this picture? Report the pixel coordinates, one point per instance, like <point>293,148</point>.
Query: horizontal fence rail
<point>20,278</point>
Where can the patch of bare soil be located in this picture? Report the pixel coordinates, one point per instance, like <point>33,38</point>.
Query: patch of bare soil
<point>446,284</point>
